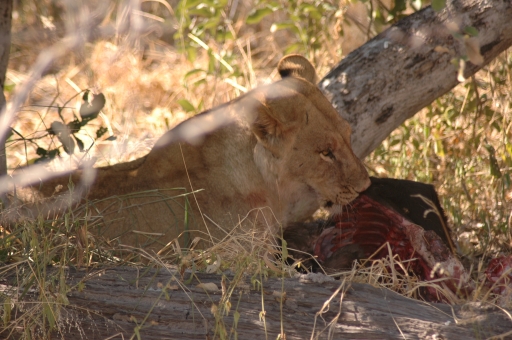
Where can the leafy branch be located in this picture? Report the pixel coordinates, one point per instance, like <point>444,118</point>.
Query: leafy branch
<point>67,133</point>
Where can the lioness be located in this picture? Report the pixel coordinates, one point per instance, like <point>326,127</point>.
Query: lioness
<point>268,158</point>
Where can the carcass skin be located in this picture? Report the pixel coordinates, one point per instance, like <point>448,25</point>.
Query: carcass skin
<point>405,214</point>
<point>409,217</point>
<point>499,276</point>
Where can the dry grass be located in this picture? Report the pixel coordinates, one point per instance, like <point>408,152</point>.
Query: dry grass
<point>450,143</point>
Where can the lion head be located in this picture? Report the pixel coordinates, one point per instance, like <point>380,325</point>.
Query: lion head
<point>304,144</point>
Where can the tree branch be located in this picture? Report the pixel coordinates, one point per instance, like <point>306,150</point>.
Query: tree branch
<point>403,69</point>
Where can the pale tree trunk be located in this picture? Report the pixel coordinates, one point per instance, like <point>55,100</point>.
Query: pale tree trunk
<point>403,69</point>
<point>5,47</point>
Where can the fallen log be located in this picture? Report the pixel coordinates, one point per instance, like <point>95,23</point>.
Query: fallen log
<point>159,304</point>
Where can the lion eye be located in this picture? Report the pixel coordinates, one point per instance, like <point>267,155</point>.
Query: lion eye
<point>327,155</point>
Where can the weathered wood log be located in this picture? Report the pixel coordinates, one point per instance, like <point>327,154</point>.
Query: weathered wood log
<point>115,302</point>
<point>406,67</point>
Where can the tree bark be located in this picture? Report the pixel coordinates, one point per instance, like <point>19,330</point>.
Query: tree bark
<point>115,301</point>
<point>5,47</point>
<point>403,69</point>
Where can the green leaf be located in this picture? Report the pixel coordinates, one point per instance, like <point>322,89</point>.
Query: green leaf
<point>199,106</point>
<point>7,311</point>
<point>439,148</point>
<point>192,72</point>
<point>90,109</point>
<point>236,317</point>
<point>257,15</point>
<point>199,82</point>
<point>191,53</point>
<point>79,143</point>
<point>186,105</point>
<point>282,26</point>
<point>101,131</point>
<point>202,12</point>
<point>306,8</point>
<point>438,5</point>
<point>68,144</point>
<point>508,147</point>
<point>189,4</point>
<point>400,6</point>
<point>470,30</point>
<point>284,249</point>
<point>49,315</point>
<point>506,181</point>
<point>493,162</point>
<point>56,127</point>
<point>41,159</point>
<point>53,153</point>
<point>75,125</point>
<point>495,169</point>
<point>9,88</point>
<point>211,23</point>
<point>293,48</point>
<point>63,134</point>
<point>41,152</point>
<point>136,330</point>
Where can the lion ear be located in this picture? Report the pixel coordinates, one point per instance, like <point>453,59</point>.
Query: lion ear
<point>266,126</point>
<point>297,66</point>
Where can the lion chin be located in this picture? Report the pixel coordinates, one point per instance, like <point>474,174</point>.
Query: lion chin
<point>252,165</point>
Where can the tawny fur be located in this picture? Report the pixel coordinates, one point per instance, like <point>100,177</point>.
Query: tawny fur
<point>273,157</point>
